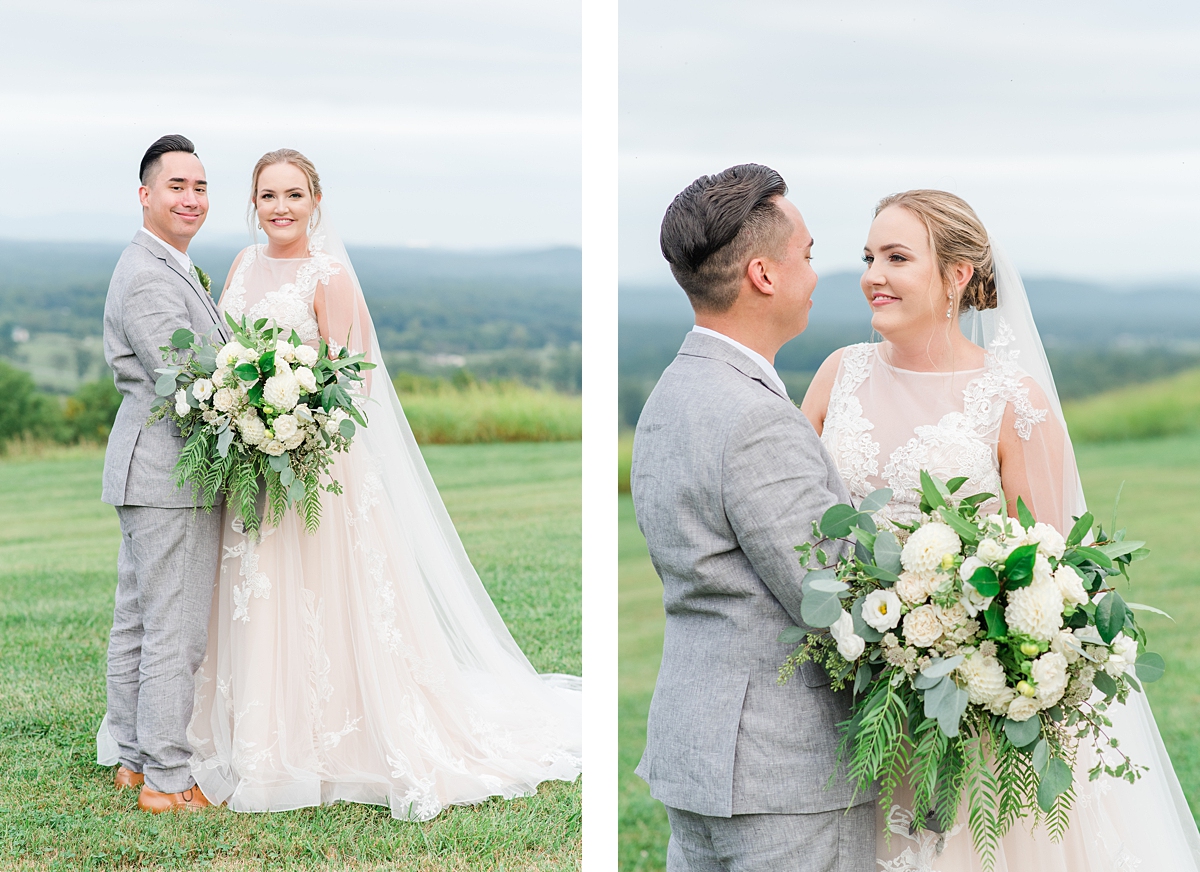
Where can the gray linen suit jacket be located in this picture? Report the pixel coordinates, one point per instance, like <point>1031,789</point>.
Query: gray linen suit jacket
<point>150,296</point>
<point>728,476</point>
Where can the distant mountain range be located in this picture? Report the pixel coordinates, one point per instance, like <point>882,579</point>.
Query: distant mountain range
<point>427,300</point>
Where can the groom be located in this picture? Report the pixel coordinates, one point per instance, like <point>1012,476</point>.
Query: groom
<point>167,563</point>
<point>728,476</point>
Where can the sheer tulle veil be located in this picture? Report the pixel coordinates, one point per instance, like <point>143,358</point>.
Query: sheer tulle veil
<point>1152,816</point>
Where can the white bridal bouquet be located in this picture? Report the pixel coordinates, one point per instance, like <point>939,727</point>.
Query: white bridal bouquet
<point>259,407</point>
<point>980,649</point>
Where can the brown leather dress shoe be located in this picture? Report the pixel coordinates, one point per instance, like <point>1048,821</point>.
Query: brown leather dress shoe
<point>127,778</point>
<point>189,800</point>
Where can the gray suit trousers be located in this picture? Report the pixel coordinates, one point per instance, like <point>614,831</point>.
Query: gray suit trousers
<point>828,841</point>
<point>166,570</point>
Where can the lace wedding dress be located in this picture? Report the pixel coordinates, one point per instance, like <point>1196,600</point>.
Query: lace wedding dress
<point>364,663</point>
<point>883,426</point>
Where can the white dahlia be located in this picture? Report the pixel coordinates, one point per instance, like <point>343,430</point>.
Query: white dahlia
<point>928,547</point>
<point>922,627</point>
<point>1070,585</point>
<point>251,427</point>
<point>1035,611</point>
<point>984,676</point>
<point>305,355</point>
<point>282,391</point>
<point>1049,672</point>
<point>881,610</point>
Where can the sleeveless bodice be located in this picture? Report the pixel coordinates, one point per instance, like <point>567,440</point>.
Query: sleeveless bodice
<point>884,425</point>
<point>279,289</point>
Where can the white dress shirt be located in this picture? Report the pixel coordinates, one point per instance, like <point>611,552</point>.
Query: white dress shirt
<point>180,257</point>
<point>750,353</point>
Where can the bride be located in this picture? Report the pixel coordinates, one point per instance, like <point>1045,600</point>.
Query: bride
<point>927,397</point>
<point>364,663</point>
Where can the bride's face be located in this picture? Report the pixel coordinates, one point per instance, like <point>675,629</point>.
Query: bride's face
<point>901,283</point>
<point>283,203</point>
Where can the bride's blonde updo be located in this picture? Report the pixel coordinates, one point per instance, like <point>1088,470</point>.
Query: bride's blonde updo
<point>956,235</point>
<point>296,159</point>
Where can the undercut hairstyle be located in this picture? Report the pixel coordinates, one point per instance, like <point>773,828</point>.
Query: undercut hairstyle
<point>717,225</point>
<point>163,145</point>
<point>956,235</point>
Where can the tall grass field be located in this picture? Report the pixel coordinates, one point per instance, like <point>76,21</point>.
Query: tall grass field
<point>442,413</point>
<point>517,507</point>
<point>1160,503</point>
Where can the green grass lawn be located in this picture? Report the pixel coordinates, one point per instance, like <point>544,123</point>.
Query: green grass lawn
<point>1159,503</point>
<point>517,507</point>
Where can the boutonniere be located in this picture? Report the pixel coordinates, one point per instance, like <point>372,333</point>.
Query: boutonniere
<point>205,281</point>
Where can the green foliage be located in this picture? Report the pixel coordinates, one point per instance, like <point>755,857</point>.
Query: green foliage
<point>440,412</point>
<point>24,411</point>
<point>1162,408</point>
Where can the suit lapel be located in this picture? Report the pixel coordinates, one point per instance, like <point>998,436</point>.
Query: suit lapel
<point>189,276</point>
<point>700,345</point>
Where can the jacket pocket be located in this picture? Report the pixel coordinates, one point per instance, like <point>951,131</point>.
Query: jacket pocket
<point>813,674</point>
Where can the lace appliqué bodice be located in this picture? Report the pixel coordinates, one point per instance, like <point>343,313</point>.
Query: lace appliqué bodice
<point>954,434</point>
<point>290,304</point>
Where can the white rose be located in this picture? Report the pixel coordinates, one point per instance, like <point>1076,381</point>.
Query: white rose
<point>1022,708</point>
<point>1065,644</point>
<point>285,427</point>
<point>928,548</point>
<point>223,400</point>
<point>284,350</point>
<point>272,446</point>
<point>1042,572</point>
<point>984,676</point>
<point>881,610</point>
<point>1049,673</point>
<point>1050,541</point>
<point>990,551</point>
<point>1123,656</point>
<point>1070,585</point>
<point>247,355</point>
<point>953,616</point>
<point>229,353</point>
<point>922,627</point>
<point>914,588</point>
<point>251,427</point>
<point>999,705</point>
<point>973,601</point>
<point>305,355</point>
<point>181,403</point>
<point>336,417</point>
<point>282,391</point>
<point>306,379</point>
<point>202,389</point>
<point>1035,611</point>
<point>295,441</point>
<point>221,375</point>
<point>849,644</point>
<point>969,566</point>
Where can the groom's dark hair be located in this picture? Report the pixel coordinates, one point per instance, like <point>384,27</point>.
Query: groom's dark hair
<point>716,225</point>
<point>163,145</point>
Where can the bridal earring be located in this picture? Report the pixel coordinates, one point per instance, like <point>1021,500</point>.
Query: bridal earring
<point>950,309</point>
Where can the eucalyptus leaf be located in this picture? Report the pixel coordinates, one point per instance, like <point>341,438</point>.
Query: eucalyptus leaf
<point>933,696</point>
<point>942,666</point>
<point>950,712</point>
<point>1022,733</point>
<point>837,521</point>
<point>297,491</point>
<point>224,440</point>
<point>875,501</point>
<point>346,428</point>
<point>1150,667</point>
<point>1056,780</point>
<point>279,462</point>
<point>182,338</point>
<point>1041,755</point>
<point>881,574</point>
<point>921,681</point>
<point>820,608</point>
<point>164,385</point>
<point>287,477</point>
<point>792,635</point>
<point>828,585</point>
<point>887,552</point>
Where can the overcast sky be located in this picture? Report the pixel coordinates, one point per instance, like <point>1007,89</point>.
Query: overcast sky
<point>1072,128</point>
<point>432,122</point>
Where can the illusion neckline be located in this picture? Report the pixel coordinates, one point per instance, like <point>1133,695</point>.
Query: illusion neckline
<point>880,358</point>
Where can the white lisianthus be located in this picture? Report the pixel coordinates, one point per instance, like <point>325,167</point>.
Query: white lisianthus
<point>849,644</point>
<point>305,355</point>
<point>284,350</point>
<point>990,551</point>
<point>282,391</point>
<point>1123,656</point>
<point>202,389</point>
<point>229,354</point>
<point>984,676</point>
<point>914,588</point>
<point>969,566</point>
<point>881,610</point>
<point>973,601</point>
<point>928,547</point>
<point>306,379</point>
<point>1035,611</point>
<point>251,427</point>
<point>1050,541</point>
<point>1070,585</point>
<point>1022,708</point>
<point>922,627</point>
<point>286,427</point>
<point>223,400</point>
<point>1049,672</point>
<point>181,403</point>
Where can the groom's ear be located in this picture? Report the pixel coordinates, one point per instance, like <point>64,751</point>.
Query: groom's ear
<point>758,271</point>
